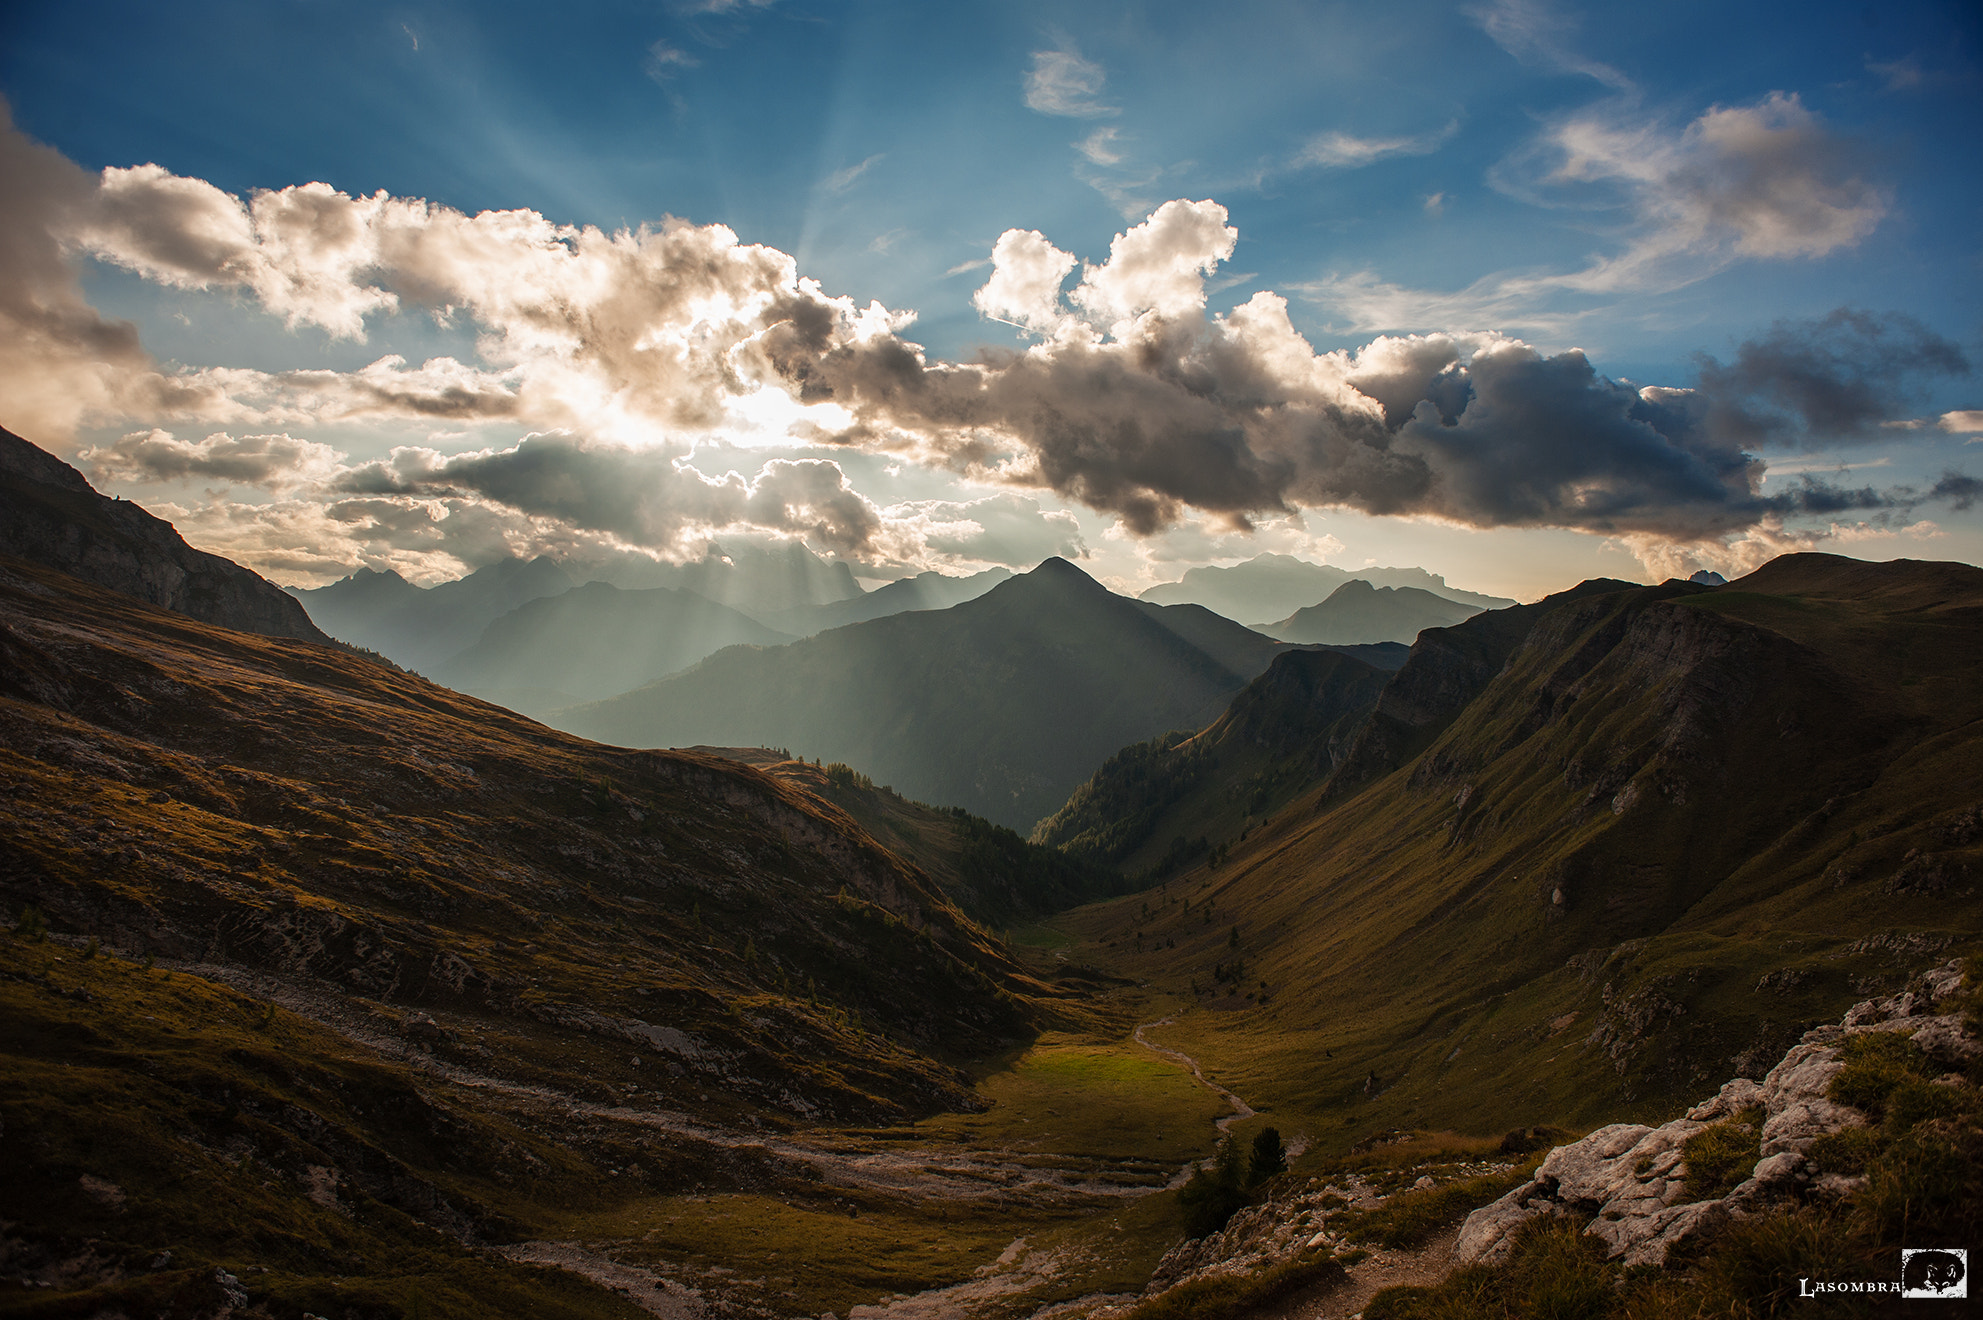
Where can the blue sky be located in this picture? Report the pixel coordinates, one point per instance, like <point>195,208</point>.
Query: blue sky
<point>1646,184</point>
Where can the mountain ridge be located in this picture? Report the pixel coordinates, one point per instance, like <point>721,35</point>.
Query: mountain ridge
<point>50,514</point>
<point>1081,665</point>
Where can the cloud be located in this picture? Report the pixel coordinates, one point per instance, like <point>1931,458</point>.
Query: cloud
<point>1138,404</point>
<point>1840,376</point>
<point>1899,75</point>
<point>1343,151</point>
<point>1005,528</point>
<point>1062,83</point>
<point>1534,32</point>
<point>272,462</point>
<point>841,180</point>
<point>1967,421</point>
<point>1759,182</point>
<point>664,61</point>
<point>1024,289</point>
<point>641,497</point>
<point>1100,146</point>
<point>618,350</point>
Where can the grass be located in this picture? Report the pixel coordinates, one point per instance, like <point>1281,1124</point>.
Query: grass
<point>199,1116</point>
<point>1112,1102</point>
<point>1221,1296</point>
<point>1721,1155</point>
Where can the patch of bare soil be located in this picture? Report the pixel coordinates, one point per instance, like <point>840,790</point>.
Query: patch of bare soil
<point>1341,1299</point>
<point>647,1290</point>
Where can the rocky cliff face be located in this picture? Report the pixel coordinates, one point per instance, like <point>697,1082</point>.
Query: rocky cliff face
<point>50,514</point>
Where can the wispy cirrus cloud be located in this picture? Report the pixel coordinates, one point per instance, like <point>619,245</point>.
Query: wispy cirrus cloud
<point>842,179</point>
<point>1060,82</point>
<point>1766,181</point>
<point>1336,150</point>
<point>664,61</point>
<point>1537,32</point>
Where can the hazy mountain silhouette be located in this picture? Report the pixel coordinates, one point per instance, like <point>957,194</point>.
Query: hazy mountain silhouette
<point>595,641</point>
<point>761,579</point>
<point>1000,705</point>
<point>1358,612</point>
<point>925,591</point>
<point>50,514</point>
<point>420,627</point>
<point>1275,586</point>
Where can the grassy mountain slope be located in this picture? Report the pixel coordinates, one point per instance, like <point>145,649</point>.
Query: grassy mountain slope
<point>991,873</point>
<point>1357,612</point>
<point>1000,705</point>
<point>1672,828</point>
<point>193,793</point>
<point>428,976</point>
<point>595,641</point>
<point>1157,805</point>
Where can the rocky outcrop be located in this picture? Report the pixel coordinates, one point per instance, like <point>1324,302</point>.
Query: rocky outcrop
<point>1630,1180</point>
<point>51,515</point>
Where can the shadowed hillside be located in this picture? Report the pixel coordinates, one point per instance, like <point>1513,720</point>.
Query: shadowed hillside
<point>995,876</point>
<point>1157,806</point>
<point>325,847</point>
<point>1627,849</point>
<point>1000,705</point>
<point>51,515</point>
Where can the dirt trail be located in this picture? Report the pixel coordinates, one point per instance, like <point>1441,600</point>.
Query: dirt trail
<point>1240,1109</point>
<point>1382,1269</point>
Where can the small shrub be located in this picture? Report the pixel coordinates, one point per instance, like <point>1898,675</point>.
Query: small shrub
<point>1208,1201</point>
<point>1846,1151</point>
<point>33,926</point>
<point>1876,1065</point>
<point>1720,1157</point>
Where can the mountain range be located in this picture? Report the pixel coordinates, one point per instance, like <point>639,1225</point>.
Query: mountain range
<point>1358,612</point>
<point>1000,705</point>
<point>1275,586</point>
<point>422,627</point>
<point>329,990</point>
<point>1583,855</point>
<point>594,641</point>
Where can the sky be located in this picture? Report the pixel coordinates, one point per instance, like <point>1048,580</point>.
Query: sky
<point>1518,292</point>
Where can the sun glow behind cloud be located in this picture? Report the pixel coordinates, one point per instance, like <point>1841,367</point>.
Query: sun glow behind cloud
<point>1137,397</point>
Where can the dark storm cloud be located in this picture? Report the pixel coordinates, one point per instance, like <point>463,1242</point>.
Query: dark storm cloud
<point>1835,377</point>
<point>643,497</point>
